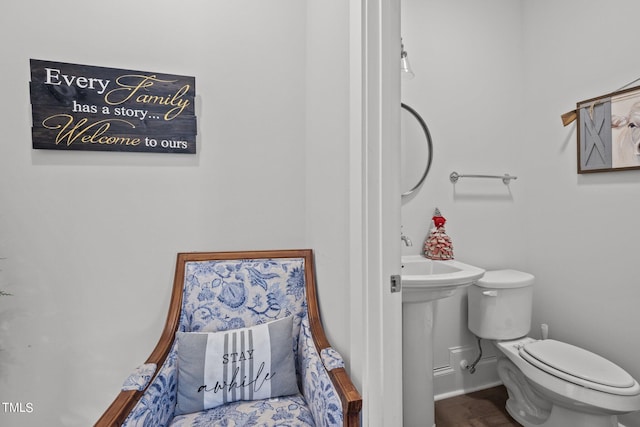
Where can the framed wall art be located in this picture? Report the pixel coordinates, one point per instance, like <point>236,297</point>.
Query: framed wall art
<point>83,107</point>
<point>609,132</point>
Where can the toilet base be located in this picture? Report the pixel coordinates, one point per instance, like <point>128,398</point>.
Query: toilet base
<point>531,409</point>
<point>563,417</point>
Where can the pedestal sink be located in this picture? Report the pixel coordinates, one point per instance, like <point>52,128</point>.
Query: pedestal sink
<point>424,281</point>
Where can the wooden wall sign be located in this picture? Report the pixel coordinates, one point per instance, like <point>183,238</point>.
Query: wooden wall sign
<point>609,132</point>
<point>82,107</point>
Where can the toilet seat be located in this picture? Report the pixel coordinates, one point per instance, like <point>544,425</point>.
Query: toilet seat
<point>579,366</point>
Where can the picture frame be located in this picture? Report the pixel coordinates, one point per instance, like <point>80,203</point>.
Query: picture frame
<point>95,108</point>
<point>609,132</point>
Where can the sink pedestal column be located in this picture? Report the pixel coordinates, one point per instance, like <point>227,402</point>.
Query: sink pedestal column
<point>417,364</point>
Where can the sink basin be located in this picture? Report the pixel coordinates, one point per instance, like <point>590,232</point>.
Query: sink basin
<point>426,280</point>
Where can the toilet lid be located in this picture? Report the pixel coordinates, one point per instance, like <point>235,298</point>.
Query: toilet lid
<point>505,279</point>
<point>579,366</point>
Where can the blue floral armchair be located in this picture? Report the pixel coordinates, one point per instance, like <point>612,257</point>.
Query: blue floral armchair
<point>224,291</point>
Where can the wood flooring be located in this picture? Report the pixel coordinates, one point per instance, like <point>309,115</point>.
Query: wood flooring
<point>484,408</point>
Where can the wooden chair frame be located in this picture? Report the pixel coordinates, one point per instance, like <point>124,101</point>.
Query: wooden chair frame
<point>351,399</point>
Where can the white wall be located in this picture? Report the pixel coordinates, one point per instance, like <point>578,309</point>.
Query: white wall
<point>467,57</point>
<point>583,229</point>
<point>90,238</point>
<point>492,79</point>
<point>327,157</point>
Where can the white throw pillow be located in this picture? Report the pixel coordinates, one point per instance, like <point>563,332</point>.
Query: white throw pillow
<point>252,363</point>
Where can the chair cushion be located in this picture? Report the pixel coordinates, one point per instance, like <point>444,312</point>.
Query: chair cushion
<point>252,363</point>
<point>291,411</point>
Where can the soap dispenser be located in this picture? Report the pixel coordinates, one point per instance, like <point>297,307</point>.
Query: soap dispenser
<point>438,245</point>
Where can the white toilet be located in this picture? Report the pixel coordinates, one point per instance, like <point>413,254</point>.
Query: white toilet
<point>550,383</point>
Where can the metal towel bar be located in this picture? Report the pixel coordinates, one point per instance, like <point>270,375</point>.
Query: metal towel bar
<point>506,178</point>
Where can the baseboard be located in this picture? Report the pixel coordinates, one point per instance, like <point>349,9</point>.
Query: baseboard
<point>452,380</point>
<point>460,392</point>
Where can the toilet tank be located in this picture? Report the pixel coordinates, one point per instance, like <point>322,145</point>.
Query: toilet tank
<point>499,305</point>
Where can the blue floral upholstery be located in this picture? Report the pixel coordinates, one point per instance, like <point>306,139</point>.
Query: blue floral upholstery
<point>139,379</point>
<point>331,359</point>
<point>233,293</point>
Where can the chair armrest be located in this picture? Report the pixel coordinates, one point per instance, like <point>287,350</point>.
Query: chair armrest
<point>331,396</point>
<point>140,378</point>
<point>157,403</point>
<point>147,404</point>
<point>331,359</point>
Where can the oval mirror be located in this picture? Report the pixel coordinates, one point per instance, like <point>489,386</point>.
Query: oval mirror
<point>416,148</point>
